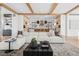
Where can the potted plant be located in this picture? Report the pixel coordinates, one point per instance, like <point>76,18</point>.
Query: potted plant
<point>34,43</point>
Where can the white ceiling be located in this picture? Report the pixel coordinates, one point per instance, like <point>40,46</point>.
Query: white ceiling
<point>19,7</point>
<point>47,17</point>
<point>64,7</point>
<point>41,7</point>
<point>75,11</point>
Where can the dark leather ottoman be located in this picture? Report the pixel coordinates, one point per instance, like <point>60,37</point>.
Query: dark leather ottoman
<point>38,51</point>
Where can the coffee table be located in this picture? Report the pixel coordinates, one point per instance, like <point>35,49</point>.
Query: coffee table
<point>37,51</point>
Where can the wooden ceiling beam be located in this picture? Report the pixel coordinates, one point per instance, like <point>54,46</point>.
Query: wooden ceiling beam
<point>53,6</point>
<point>72,9</point>
<point>7,7</point>
<point>40,14</point>
<point>35,14</point>
<point>29,6</point>
<point>26,16</point>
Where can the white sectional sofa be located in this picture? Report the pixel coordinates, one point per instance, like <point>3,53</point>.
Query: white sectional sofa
<point>18,43</point>
<point>56,39</point>
<point>27,37</point>
<point>39,36</point>
<point>4,45</point>
<point>42,36</point>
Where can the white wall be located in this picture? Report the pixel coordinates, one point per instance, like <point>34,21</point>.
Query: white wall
<point>63,25</point>
<point>20,22</point>
<point>73,23</point>
<point>71,27</point>
<point>15,25</point>
<point>0,23</point>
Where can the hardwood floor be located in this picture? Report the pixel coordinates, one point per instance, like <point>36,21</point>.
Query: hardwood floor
<point>73,41</point>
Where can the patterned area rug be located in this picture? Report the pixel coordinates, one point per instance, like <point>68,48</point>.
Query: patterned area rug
<point>58,50</point>
<point>64,50</point>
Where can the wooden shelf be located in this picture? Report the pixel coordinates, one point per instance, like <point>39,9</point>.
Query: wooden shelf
<point>41,30</point>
